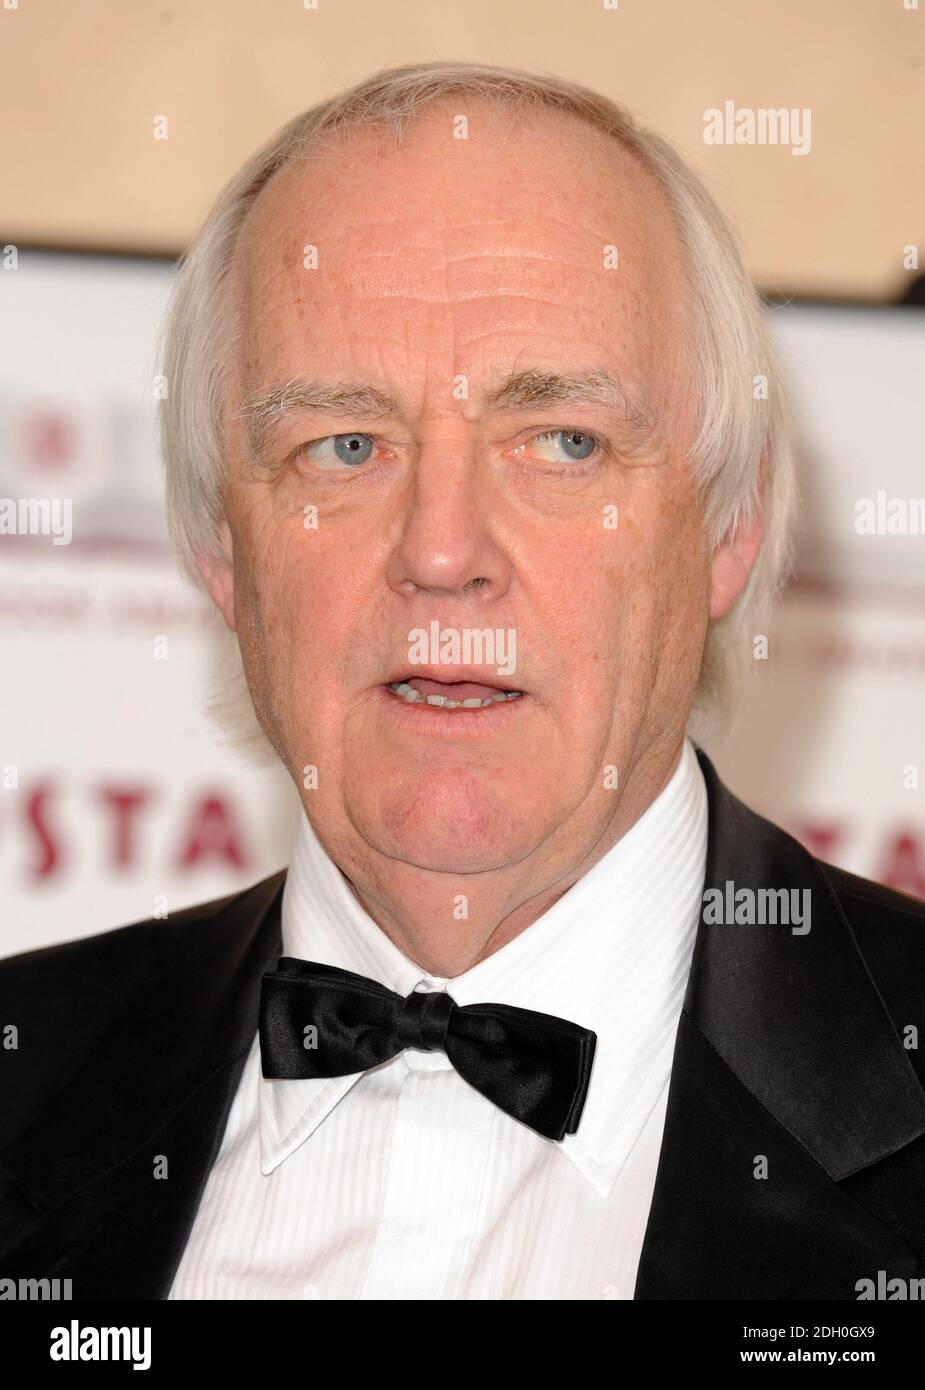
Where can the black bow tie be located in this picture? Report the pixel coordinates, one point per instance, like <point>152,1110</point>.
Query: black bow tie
<point>316,1020</point>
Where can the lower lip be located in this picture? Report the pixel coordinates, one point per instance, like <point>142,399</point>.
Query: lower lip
<point>460,723</point>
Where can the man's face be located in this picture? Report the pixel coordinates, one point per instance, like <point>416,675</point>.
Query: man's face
<point>444,268</point>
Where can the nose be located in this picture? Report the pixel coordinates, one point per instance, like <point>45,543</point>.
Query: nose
<point>448,545</point>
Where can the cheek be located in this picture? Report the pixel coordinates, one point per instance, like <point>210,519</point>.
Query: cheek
<point>678,586</point>
<point>300,595</point>
<point>270,608</point>
<point>287,578</point>
<point>647,589</point>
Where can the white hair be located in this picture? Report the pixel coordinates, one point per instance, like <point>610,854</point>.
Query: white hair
<point>740,425</point>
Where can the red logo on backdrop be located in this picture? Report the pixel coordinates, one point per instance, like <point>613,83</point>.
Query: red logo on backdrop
<point>900,861</point>
<point>208,832</point>
<point>49,440</point>
<point>903,864</point>
<point>824,841</point>
<point>102,454</point>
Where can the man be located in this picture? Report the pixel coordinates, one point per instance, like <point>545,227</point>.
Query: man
<point>464,440</point>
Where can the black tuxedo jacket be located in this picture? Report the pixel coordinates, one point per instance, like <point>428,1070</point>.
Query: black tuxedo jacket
<point>790,1059</point>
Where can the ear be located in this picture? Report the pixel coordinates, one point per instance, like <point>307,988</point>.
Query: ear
<point>218,573</point>
<point>733,560</point>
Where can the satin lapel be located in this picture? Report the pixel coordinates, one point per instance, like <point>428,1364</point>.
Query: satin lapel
<point>106,1194</point>
<point>786,1063</point>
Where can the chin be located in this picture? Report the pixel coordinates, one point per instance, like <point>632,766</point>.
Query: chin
<point>449,823</point>
<point>449,859</point>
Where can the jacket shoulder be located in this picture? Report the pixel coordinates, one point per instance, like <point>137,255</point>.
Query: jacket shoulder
<point>61,1005</point>
<point>872,905</point>
<point>889,928</point>
<point>113,961</point>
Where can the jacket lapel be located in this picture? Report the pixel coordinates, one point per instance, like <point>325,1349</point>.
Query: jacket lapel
<point>788,1079</point>
<point>166,1063</point>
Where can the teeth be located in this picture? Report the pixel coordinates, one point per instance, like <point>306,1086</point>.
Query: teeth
<point>411,696</point>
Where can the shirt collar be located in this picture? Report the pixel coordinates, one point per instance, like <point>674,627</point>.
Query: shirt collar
<point>612,954</point>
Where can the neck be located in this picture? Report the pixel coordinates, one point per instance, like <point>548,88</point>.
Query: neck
<point>421,910</point>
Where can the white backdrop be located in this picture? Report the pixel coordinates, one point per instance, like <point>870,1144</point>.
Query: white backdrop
<point>118,796</point>
<point>831,742</point>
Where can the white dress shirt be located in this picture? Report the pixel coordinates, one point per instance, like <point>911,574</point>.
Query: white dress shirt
<point>404,1182</point>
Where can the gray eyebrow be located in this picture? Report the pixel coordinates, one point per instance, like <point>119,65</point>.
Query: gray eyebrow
<point>529,389</point>
<point>264,409</point>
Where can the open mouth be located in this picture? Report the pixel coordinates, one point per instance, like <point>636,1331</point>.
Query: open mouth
<point>451,695</point>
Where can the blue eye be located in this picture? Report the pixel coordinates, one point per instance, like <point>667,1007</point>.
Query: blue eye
<point>578,445</point>
<point>349,449</point>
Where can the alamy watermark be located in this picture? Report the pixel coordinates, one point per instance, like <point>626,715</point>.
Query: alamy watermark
<point>468,646</point>
<point>37,516</point>
<point>766,125</point>
<point>892,1290</point>
<point>32,1290</point>
<point>76,1343</point>
<point>758,907</point>
<point>889,516</point>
